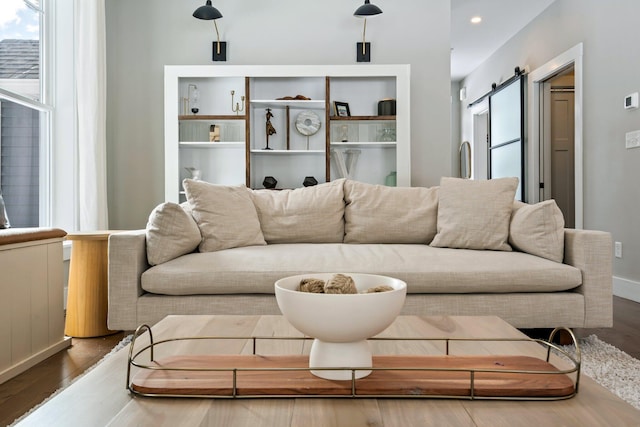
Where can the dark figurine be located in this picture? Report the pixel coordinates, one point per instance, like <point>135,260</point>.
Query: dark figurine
<point>269,127</point>
<point>269,182</point>
<point>309,181</point>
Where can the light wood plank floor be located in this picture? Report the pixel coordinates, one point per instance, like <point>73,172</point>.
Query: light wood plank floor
<point>23,392</point>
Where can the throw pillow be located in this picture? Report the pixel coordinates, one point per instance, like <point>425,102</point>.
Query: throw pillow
<point>225,215</point>
<point>381,214</point>
<point>538,229</point>
<point>302,215</point>
<point>171,232</point>
<point>4,219</point>
<point>475,214</point>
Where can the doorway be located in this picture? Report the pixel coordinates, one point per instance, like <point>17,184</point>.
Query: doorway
<point>480,143</point>
<point>558,144</point>
<point>545,172</point>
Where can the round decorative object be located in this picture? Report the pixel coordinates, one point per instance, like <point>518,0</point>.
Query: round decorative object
<point>269,182</point>
<point>307,123</point>
<point>309,181</point>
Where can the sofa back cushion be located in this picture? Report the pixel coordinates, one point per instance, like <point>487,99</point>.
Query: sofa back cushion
<point>171,232</point>
<point>225,215</point>
<point>475,214</point>
<point>380,214</point>
<point>538,229</point>
<point>303,215</point>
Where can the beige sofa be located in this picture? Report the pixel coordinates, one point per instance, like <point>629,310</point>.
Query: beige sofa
<point>464,248</point>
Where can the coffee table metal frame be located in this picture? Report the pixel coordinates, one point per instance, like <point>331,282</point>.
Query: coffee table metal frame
<point>574,359</point>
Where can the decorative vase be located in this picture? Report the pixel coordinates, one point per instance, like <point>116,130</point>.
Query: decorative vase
<point>196,174</point>
<point>391,179</point>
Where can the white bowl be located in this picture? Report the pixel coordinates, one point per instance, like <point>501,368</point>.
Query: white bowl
<point>341,323</point>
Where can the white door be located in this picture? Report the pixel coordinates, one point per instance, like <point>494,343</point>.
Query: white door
<point>563,153</point>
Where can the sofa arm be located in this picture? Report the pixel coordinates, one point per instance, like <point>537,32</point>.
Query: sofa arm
<point>590,251</point>
<point>127,262</point>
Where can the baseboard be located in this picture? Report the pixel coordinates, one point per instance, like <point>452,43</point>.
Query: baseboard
<point>34,359</point>
<point>626,288</point>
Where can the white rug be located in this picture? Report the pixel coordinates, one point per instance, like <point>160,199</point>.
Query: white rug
<point>126,340</point>
<point>610,367</point>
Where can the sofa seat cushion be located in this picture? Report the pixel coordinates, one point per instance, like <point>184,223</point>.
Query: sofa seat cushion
<point>254,269</point>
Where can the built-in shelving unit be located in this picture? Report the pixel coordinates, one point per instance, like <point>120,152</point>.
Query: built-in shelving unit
<point>227,141</point>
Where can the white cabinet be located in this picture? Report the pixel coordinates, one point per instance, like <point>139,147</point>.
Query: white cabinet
<point>228,141</point>
<point>32,302</point>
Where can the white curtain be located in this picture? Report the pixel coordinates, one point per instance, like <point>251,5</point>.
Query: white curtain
<point>91,104</point>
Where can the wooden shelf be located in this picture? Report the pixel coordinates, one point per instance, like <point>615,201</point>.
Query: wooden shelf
<point>212,117</point>
<point>338,144</point>
<point>213,145</point>
<point>273,152</point>
<point>355,118</point>
<point>295,103</point>
<point>241,156</point>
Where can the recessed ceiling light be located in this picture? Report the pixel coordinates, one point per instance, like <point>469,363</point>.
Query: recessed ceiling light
<point>476,20</point>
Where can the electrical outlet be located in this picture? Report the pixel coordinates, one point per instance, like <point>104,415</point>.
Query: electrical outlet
<point>618,249</point>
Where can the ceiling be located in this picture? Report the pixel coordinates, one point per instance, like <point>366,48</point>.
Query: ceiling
<point>472,44</point>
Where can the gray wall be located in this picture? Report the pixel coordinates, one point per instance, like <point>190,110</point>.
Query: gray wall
<point>145,35</point>
<point>611,65</point>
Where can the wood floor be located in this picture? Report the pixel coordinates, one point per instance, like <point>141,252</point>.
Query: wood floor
<point>20,394</point>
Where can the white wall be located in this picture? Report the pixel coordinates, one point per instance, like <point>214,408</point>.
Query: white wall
<point>145,35</point>
<point>611,65</point>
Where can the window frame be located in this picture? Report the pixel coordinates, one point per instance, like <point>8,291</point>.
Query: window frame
<point>45,107</point>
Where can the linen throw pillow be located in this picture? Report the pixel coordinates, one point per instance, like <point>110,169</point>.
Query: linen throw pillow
<point>475,214</point>
<point>302,215</point>
<point>538,229</point>
<point>225,215</point>
<point>171,232</point>
<point>381,214</point>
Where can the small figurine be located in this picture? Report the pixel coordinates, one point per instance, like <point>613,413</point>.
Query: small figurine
<point>214,133</point>
<point>269,127</point>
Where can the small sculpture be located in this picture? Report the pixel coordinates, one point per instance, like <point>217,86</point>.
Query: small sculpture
<point>269,127</point>
<point>380,288</point>
<point>294,98</point>
<point>236,108</point>
<point>214,133</point>
<point>269,182</point>
<point>309,181</point>
<point>315,286</point>
<point>340,284</point>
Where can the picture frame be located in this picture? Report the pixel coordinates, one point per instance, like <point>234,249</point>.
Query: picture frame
<point>341,109</point>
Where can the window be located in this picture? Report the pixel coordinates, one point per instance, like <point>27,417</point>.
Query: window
<point>24,114</point>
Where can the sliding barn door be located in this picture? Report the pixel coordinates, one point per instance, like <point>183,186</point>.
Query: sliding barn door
<point>506,133</point>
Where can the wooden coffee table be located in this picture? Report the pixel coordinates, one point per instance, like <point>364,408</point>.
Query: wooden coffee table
<point>101,398</point>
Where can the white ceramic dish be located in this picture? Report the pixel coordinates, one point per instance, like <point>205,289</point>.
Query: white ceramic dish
<point>341,324</point>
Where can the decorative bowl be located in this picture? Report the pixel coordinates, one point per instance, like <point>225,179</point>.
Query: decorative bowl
<point>341,323</point>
